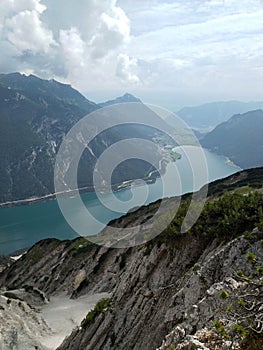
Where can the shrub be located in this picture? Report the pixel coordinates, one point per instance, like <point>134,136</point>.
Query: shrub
<point>224,294</point>
<point>251,258</point>
<point>100,307</point>
<point>239,273</point>
<point>220,329</point>
<point>237,328</point>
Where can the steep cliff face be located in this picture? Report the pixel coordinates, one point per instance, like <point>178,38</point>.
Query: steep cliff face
<point>165,290</point>
<point>162,291</point>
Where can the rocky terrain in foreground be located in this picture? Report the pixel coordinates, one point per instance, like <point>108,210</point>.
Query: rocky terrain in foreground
<point>178,291</point>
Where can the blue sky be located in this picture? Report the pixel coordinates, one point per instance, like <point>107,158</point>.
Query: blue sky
<point>171,53</point>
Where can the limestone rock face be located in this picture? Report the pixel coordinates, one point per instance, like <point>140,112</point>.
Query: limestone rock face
<point>171,294</point>
<point>80,278</point>
<point>20,327</point>
<point>162,295</point>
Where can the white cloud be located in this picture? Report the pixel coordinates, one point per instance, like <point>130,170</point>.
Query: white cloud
<point>212,53</point>
<point>22,5</point>
<point>195,47</point>
<point>9,7</point>
<point>112,32</point>
<point>81,41</point>
<point>73,47</point>
<point>126,68</point>
<point>27,32</point>
<point>93,58</point>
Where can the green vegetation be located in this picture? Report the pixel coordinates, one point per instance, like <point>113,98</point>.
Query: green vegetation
<point>249,179</point>
<point>197,267</point>
<point>37,252</point>
<point>239,273</point>
<point>251,258</point>
<point>194,347</point>
<point>221,329</point>
<point>79,245</point>
<point>100,307</point>
<point>224,294</point>
<point>229,308</point>
<point>241,302</point>
<point>172,347</point>
<point>237,328</point>
<point>164,139</point>
<point>173,156</point>
<point>244,320</point>
<point>226,217</point>
<point>35,116</point>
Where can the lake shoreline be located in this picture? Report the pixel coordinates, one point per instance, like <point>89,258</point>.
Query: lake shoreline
<point>88,189</point>
<point>149,179</point>
<point>23,224</point>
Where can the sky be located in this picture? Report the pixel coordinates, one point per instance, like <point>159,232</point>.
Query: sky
<point>169,53</point>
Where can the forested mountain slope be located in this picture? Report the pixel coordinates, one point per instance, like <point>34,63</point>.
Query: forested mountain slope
<point>35,115</point>
<point>240,139</point>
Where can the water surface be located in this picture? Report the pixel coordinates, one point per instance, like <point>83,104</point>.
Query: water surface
<point>22,226</point>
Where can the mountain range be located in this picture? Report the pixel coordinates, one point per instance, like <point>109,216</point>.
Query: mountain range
<point>35,116</point>
<point>239,138</point>
<point>207,116</point>
<point>126,98</point>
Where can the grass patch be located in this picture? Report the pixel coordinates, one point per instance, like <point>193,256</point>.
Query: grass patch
<point>100,307</point>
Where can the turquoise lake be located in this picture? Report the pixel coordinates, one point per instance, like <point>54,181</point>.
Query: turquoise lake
<point>22,226</point>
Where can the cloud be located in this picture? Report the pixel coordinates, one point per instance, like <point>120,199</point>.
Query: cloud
<point>22,5</point>
<point>210,48</point>
<point>73,47</point>
<point>126,68</point>
<point>66,38</point>
<point>27,32</point>
<point>112,32</point>
<point>195,47</point>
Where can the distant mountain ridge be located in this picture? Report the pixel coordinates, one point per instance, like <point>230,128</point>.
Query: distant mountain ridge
<point>126,98</point>
<point>35,115</point>
<point>36,86</point>
<point>240,139</point>
<point>208,115</point>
